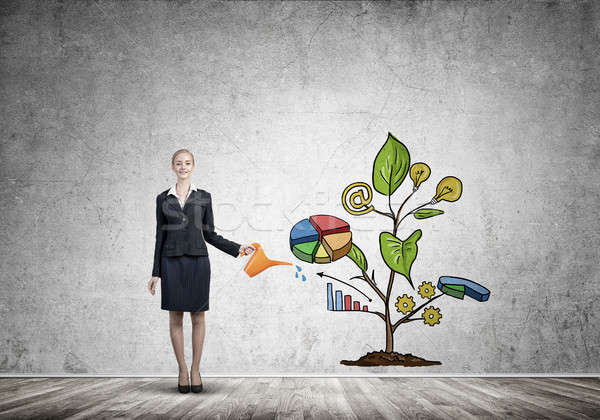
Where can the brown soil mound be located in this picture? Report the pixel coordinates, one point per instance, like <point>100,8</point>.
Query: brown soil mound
<point>381,358</point>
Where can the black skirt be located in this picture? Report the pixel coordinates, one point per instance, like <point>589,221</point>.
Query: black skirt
<point>185,283</point>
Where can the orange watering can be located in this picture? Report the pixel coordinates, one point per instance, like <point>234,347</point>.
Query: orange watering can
<point>259,262</point>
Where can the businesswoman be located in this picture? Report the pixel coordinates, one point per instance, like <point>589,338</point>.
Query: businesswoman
<point>184,223</point>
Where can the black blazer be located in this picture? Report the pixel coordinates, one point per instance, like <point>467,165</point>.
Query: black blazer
<point>184,231</point>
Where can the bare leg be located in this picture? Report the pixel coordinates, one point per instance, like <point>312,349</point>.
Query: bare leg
<point>176,330</point>
<point>198,332</point>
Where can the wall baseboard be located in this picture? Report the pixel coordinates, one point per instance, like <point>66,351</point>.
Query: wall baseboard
<point>287,375</point>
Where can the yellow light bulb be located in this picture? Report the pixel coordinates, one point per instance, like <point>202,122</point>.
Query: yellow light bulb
<point>419,173</point>
<point>449,189</point>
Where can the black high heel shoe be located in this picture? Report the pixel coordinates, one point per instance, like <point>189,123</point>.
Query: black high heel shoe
<point>196,388</point>
<point>184,389</point>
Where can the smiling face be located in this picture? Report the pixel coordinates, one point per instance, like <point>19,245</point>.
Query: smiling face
<point>183,165</point>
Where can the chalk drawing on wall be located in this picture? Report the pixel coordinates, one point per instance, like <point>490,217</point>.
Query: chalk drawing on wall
<point>320,239</point>
<point>307,242</point>
<point>298,273</point>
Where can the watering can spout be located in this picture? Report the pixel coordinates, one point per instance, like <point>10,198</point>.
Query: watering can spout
<point>259,261</point>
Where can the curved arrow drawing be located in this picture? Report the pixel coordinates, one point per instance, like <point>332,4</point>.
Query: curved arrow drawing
<point>321,274</point>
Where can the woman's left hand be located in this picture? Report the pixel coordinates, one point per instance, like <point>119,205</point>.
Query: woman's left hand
<point>247,249</point>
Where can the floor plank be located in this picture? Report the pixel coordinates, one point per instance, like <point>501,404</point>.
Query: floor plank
<point>315,406</point>
<point>301,398</point>
<point>359,399</point>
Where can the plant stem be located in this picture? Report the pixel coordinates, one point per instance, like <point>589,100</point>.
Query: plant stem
<point>379,314</point>
<point>389,329</point>
<point>373,286</point>
<point>413,319</point>
<point>396,219</point>
<point>411,212</point>
<point>390,215</point>
<point>405,318</point>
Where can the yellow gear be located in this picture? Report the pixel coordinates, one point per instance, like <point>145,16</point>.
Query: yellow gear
<point>426,290</point>
<point>405,304</point>
<point>431,316</point>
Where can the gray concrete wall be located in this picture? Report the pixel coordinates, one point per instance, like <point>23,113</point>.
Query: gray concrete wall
<point>284,104</point>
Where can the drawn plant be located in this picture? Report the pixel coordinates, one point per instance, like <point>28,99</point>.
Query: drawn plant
<point>390,168</point>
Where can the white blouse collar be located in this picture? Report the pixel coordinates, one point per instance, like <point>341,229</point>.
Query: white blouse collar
<point>173,190</point>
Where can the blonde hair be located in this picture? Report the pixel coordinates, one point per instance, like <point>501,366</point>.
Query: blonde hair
<point>179,152</point>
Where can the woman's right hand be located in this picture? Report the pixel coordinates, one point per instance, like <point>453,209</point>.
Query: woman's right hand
<point>152,284</point>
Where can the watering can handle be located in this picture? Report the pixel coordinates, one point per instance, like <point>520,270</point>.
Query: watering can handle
<point>256,245</point>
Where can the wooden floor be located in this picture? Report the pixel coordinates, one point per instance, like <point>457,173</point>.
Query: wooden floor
<point>297,398</point>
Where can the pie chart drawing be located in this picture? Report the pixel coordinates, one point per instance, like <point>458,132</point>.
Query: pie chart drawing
<point>320,239</point>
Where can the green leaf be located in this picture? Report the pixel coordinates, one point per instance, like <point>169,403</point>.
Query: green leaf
<point>390,166</point>
<point>426,213</point>
<point>399,255</point>
<point>358,257</point>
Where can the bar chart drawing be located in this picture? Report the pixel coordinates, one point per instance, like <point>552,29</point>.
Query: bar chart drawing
<point>342,302</point>
<point>329,297</point>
